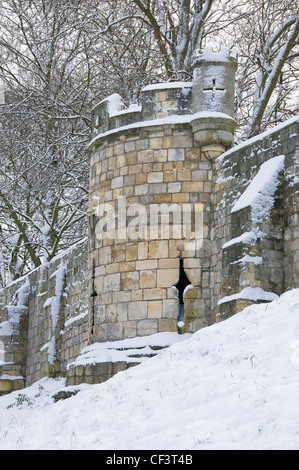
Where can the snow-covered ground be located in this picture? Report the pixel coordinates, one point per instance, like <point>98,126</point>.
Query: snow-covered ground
<point>234,385</point>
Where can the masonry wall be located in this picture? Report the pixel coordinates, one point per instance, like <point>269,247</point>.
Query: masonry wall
<point>43,319</point>
<point>132,281</point>
<point>267,264</point>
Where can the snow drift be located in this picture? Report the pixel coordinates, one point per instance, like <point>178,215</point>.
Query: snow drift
<point>234,385</point>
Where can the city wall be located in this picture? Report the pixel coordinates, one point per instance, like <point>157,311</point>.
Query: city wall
<point>44,320</point>
<point>184,230</point>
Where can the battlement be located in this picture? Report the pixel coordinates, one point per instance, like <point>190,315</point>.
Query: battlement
<point>206,103</point>
<point>209,55</point>
<point>157,103</point>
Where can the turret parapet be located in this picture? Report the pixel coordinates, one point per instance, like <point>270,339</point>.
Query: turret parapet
<point>157,101</point>
<point>209,55</point>
<point>214,91</point>
<point>214,81</point>
<point>207,103</point>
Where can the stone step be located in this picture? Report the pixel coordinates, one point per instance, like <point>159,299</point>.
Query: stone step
<point>95,373</point>
<point>103,371</point>
<point>101,361</point>
<point>11,383</point>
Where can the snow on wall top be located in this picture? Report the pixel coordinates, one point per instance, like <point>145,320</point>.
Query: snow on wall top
<point>208,54</point>
<point>174,119</point>
<point>179,100</point>
<point>260,192</point>
<point>167,86</point>
<point>257,138</point>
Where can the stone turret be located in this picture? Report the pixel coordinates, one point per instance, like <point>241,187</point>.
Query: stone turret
<point>213,99</point>
<point>151,203</point>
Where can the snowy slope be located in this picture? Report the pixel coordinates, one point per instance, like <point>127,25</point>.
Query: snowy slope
<point>234,385</point>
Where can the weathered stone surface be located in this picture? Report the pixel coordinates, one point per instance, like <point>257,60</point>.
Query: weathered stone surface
<point>155,309</point>
<point>147,327</point>
<point>137,310</point>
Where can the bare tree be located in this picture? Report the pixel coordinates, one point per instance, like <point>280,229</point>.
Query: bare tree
<point>267,42</point>
<point>173,29</point>
<point>264,32</point>
<point>122,47</point>
<point>44,131</point>
<point>59,57</point>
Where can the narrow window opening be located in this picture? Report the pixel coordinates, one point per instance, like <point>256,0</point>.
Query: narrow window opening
<point>93,296</point>
<point>181,286</point>
<point>214,89</point>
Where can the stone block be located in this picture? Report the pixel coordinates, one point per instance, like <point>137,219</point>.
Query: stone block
<point>137,295</point>
<point>192,186</point>
<point>141,178</point>
<point>141,189</point>
<point>105,255</point>
<point>158,249</point>
<point>130,329</point>
<point>182,197</point>
<point>146,156</point>
<point>142,250</point>
<point>176,155</point>
<point>6,386</point>
<point>146,264</point>
<point>167,324</point>
<point>117,182</point>
<point>169,263</point>
<point>112,282</point>
<point>194,276</point>
<point>170,176</point>
<point>160,155</point>
<point>127,266</point>
<point>147,327</point>
<point>155,309</point>
<point>110,312</point>
<point>122,312</point>
<point>114,331</point>
<point>155,177</point>
<point>167,277</point>
<point>137,310</point>
<point>148,279</point>
<point>142,144</point>
<point>174,187</point>
<point>154,294</point>
<point>130,280</point>
<point>194,308</point>
<point>130,147</point>
<point>112,268</point>
<point>156,143</point>
<point>132,252</point>
<point>119,149</point>
<point>184,175</point>
<point>171,308</point>
<point>167,142</point>
<point>162,198</point>
<point>119,367</point>
<point>121,296</point>
<point>200,175</point>
<point>156,188</point>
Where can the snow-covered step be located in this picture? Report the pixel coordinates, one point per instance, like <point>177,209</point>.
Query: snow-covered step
<point>10,383</point>
<point>101,361</point>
